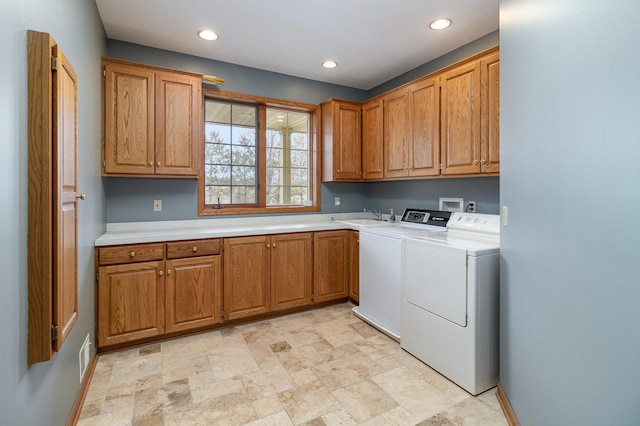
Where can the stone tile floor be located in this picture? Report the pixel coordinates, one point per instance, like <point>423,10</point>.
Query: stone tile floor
<point>321,367</point>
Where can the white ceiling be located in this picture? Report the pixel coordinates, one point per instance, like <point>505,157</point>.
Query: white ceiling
<point>372,40</point>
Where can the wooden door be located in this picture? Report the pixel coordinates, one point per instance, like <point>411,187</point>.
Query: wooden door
<point>347,141</point>
<point>129,126</point>
<point>179,134</point>
<point>330,265</point>
<point>461,119</point>
<point>131,302</point>
<point>372,140</point>
<point>65,230</point>
<point>193,292</point>
<point>246,276</point>
<point>490,122</point>
<point>395,134</point>
<point>291,270</point>
<point>354,265</point>
<point>424,147</point>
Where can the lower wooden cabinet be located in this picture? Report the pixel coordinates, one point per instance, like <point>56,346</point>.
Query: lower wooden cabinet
<point>354,265</point>
<point>246,276</point>
<point>291,270</point>
<point>193,296</point>
<point>130,302</point>
<point>330,265</point>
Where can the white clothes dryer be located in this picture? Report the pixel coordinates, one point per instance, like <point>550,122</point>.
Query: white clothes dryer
<point>450,294</point>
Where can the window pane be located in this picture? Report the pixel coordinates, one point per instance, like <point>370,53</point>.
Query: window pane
<point>243,194</point>
<point>230,153</point>
<point>287,157</point>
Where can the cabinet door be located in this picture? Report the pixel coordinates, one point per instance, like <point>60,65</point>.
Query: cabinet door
<point>354,265</point>
<point>395,134</point>
<point>330,265</point>
<point>193,292</point>
<point>424,147</point>
<point>372,137</point>
<point>130,302</point>
<point>461,119</point>
<point>291,270</point>
<point>490,122</point>
<point>346,141</point>
<point>128,119</point>
<point>179,107</point>
<point>246,276</point>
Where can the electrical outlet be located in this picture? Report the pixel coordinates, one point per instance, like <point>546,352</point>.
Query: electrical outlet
<point>471,207</point>
<point>157,205</point>
<point>336,200</point>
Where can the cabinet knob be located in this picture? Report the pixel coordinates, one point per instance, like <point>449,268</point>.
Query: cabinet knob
<point>475,162</point>
<point>158,164</point>
<point>132,254</point>
<point>273,245</point>
<point>268,245</point>
<point>168,271</point>
<point>338,170</point>
<point>482,161</point>
<point>150,163</point>
<point>160,273</point>
<point>80,196</point>
<point>195,249</point>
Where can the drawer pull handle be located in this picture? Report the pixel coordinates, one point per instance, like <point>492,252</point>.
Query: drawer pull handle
<point>160,273</point>
<point>273,245</point>
<point>168,271</point>
<point>158,164</point>
<point>475,162</point>
<point>150,163</point>
<point>132,254</point>
<point>195,249</point>
<point>268,245</point>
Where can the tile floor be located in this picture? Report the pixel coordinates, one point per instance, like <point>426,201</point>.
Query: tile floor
<point>321,367</point>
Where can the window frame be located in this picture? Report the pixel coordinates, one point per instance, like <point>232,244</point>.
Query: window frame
<point>262,103</point>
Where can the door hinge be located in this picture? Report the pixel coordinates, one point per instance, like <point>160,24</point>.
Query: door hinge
<point>54,63</point>
<point>104,164</point>
<point>54,332</point>
<point>104,72</point>
<point>222,245</point>
<point>97,276</point>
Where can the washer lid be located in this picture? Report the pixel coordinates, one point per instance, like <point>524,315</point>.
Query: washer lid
<point>473,245</point>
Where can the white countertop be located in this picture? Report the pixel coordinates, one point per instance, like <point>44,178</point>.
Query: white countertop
<point>176,230</point>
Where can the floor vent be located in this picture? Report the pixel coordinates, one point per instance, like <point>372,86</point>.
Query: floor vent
<point>83,357</point>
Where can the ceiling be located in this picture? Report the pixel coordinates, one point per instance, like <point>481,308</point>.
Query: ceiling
<point>372,40</point>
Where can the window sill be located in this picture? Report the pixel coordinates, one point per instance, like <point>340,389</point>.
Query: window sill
<point>230,210</point>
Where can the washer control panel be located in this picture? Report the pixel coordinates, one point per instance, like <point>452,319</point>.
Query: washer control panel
<point>426,217</point>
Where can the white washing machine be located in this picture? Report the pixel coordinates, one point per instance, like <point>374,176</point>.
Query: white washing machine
<point>450,294</point>
<point>381,266</point>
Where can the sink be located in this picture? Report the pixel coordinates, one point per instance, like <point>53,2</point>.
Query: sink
<point>363,222</point>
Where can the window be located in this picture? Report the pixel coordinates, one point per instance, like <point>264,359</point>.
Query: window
<point>259,156</point>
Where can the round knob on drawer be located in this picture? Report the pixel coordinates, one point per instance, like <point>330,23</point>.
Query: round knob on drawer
<point>195,249</point>
<point>132,254</point>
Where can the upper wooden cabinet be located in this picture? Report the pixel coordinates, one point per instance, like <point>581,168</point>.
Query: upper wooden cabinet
<point>411,130</point>
<point>490,113</point>
<point>372,140</point>
<point>342,147</point>
<point>470,118</point>
<point>152,120</point>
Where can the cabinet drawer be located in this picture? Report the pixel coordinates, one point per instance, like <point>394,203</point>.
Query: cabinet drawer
<point>129,254</point>
<point>180,249</point>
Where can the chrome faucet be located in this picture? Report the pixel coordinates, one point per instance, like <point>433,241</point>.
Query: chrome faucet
<point>376,213</point>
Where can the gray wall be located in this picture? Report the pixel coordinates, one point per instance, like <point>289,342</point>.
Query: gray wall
<point>131,199</point>
<point>570,151</point>
<point>43,394</point>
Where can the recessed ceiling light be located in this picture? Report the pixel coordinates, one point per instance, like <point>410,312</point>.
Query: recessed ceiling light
<point>208,35</point>
<point>329,64</point>
<point>440,24</point>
